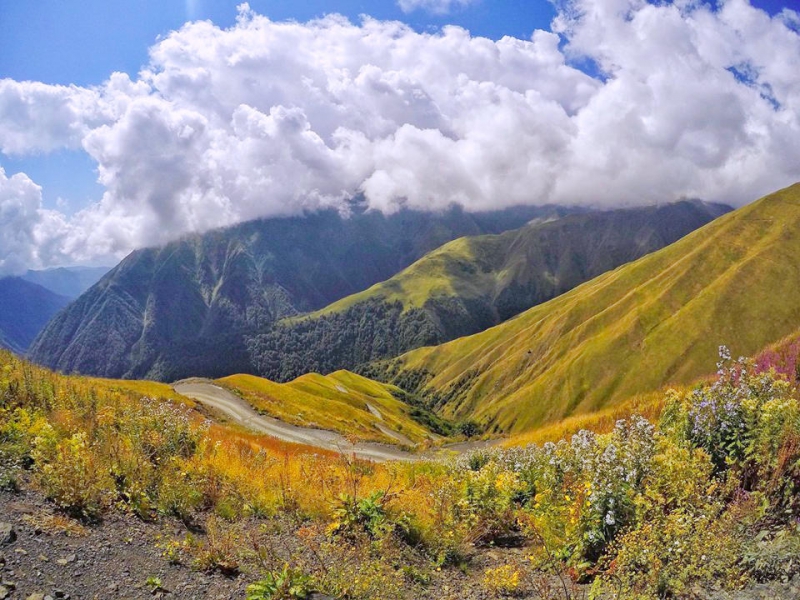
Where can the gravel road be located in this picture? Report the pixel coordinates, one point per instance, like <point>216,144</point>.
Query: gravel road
<point>236,409</point>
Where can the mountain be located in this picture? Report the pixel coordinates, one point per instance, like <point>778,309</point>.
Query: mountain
<point>28,302</point>
<point>468,285</point>
<point>649,324</point>
<point>25,308</point>
<point>66,281</point>
<point>184,309</point>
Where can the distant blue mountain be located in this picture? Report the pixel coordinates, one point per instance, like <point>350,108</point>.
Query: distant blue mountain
<point>25,308</point>
<point>67,281</point>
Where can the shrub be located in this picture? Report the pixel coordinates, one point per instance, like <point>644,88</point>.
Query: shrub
<point>361,568</point>
<point>287,584</point>
<point>469,429</point>
<point>749,425</point>
<point>491,495</point>
<point>367,514</point>
<point>666,556</point>
<point>219,551</point>
<point>71,474</point>
<point>774,555</point>
<point>502,580</point>
<point>15,445</point>
<point>180,493</point>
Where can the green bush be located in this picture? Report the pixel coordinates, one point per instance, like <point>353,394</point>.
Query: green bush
<point>71,474</point>
<point>367,514</point>
<point>287,584</point>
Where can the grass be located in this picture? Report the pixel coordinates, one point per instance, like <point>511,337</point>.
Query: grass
<point>152,389</point>
<point>649,324</point>
<point>338,402</point>
<point>602,421</point>
<point>465,267</point>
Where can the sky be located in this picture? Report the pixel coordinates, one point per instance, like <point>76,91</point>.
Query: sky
<point>127,124</point>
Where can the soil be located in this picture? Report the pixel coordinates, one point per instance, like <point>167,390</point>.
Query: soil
<point>111,559</point>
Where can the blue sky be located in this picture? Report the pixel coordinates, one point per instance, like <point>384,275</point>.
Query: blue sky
<point>400,117</point>
<point>82,41</point>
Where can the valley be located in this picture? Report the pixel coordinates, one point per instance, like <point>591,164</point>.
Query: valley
<point>28,302</point>
<point>400,300</point>
<point>25,308</point>
<point>511,460</point>
<point>468,285</point>
<point>186,309</point>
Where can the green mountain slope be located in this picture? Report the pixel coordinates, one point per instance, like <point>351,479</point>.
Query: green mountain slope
<point>25,308</point>
<point>469,285</point>
<point>184,309</point>
<point>648,324</point>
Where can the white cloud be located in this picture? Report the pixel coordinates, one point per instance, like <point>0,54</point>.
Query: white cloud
<point>674,118</point>
<point>437,7</point>
<point>271,118</point>
<point>36,117</point>
<point>19,201</point>
<point>29,234</point>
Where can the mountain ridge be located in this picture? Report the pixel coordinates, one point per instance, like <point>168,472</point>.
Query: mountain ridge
<point>468,285</point>
<point>66,281</point>
<point>662,316</point>
<point>225,283</point>
<point>25,308</point>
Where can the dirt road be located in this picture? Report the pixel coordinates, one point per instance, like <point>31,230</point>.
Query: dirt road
<point>236,409</point>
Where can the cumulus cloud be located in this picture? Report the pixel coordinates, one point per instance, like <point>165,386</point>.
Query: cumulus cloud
<point>437,7</point>
<point>29,234</point>
<point>697,102</point>
<point>268,118</point>
<point>19,200</point>
<point>36,117</point>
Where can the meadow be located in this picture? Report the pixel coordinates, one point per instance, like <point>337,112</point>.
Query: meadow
<point>703,491</point>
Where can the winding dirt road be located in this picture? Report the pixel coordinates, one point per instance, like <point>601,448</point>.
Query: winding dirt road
<point>236,409</point>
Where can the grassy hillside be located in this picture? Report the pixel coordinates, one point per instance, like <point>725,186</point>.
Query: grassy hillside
<point>654,322</point>
<point>342,402</point>
<point>517,269</point>
<point>140,388</point>
<point>469,285</point>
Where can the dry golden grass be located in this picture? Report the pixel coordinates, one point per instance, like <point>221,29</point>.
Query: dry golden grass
<point>53,524</point>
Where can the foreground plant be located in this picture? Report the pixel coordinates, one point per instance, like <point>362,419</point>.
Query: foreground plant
<point>286,584</point>
<point>709,492</point>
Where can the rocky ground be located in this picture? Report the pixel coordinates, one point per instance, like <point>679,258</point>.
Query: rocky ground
<point>45,555</point>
